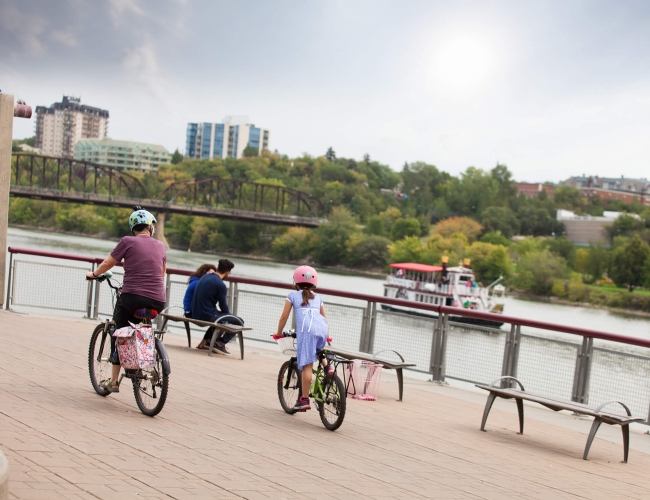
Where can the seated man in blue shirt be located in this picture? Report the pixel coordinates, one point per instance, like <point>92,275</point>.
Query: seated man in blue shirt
<point>210,292</point>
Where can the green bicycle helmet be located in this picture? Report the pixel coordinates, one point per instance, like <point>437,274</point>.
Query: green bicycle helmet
<point>141,217</point>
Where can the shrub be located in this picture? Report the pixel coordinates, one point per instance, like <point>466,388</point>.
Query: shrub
<point>404,227</point>
<point>537,271</point>
<point>370,252</point>
<point>294,244</point>
<point>463,225</point>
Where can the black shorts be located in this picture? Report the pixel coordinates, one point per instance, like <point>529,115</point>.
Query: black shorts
<point>126,307</point>
<point>129,303</point>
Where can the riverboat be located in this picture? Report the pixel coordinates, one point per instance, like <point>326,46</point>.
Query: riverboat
<point>444,286</point>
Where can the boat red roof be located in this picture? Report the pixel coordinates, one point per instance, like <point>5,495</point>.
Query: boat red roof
<point>420,268</point>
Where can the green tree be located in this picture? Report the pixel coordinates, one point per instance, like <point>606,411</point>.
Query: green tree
<point>596,261</point>
<point>410,249</point>
<point>500,219</point>
<point>568,197</point>
<point>564,248</point>
<point>294,244</point>
<point>404,227</point>
<point>330,154</point>
<point>472,192</point>
<point>375,226</point>
<point>458,225</point>
<point>626,267</point>
<point>495,239</point>
<point>537,270</point>
<point>332,237</point>
<point>371,252</point>
<point>488,261</point>
<point>251,151</point>
<point>176,157</point>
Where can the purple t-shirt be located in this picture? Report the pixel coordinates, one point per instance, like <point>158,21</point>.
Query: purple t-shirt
<point>144,259</point>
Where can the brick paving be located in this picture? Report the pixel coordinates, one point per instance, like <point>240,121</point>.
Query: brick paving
<point>222,434</point>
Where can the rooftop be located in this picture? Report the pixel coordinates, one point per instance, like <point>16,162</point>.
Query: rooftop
<point>105,142</point>
<point>222,434</point>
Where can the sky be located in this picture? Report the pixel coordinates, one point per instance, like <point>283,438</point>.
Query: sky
<point>550,89</point>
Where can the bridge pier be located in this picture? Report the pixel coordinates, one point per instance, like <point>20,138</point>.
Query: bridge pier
<point>160,229</point>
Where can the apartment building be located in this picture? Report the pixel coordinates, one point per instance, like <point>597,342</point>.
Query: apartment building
<point>612,188</point>
<point>531,190</point>
<point>224,140</point>
<point>60,126</point>
<point>124,155</point>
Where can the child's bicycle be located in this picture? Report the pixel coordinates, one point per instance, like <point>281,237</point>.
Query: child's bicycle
<point>149,386</point>
<point>328,391</point>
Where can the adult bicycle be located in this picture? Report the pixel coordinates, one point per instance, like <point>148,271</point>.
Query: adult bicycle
<point>328,391</point>
<point>150,387</point>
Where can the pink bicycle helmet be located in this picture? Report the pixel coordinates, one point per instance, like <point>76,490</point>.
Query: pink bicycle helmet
<point>305,274</point>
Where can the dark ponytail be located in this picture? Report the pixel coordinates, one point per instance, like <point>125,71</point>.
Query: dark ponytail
<point>307,293</point>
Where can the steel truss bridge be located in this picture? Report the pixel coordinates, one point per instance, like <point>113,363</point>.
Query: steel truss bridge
<point>78,181</point>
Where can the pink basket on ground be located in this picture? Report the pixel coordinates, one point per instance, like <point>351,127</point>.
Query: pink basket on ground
<point>364,377</point>
<point>136,347</point>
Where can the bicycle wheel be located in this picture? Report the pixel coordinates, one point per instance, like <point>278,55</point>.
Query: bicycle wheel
<point>332,409</point>
<point>150,387</point>
<point>99,364</point>
<point>288,396</point>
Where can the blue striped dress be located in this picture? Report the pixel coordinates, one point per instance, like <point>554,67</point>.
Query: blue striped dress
<point>311,327</point>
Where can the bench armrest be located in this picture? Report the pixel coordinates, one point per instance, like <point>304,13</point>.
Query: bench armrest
<point>374,356</point>
<point>629,413</point>
<point>508,377</point>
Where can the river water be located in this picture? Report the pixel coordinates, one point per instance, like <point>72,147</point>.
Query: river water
<point>597,319</point>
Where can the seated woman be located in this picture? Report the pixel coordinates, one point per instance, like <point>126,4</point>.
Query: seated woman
<point>201,271</point>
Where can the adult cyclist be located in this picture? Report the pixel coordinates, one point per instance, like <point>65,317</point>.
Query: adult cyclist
<point>145,263</point>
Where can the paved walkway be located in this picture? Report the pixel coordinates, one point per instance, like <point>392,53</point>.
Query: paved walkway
<point>222,434</point>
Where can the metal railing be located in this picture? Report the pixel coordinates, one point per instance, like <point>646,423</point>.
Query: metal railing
<point>440,346</point>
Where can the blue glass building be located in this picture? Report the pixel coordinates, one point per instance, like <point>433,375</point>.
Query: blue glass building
<point>224,140</point>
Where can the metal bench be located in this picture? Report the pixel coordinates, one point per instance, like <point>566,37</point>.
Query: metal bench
<point>600,416</point>
<point>218,328</point>
<point>386,363</point>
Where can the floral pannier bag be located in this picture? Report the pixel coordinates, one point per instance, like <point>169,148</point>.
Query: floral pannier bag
<point>136,347</point>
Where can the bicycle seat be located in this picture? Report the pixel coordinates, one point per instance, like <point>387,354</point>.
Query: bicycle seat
<point>145,313</point>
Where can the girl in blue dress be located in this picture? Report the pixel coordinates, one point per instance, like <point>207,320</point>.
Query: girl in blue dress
<point>311,327</point>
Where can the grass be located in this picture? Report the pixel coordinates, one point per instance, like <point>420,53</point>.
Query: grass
<point>612,289</point>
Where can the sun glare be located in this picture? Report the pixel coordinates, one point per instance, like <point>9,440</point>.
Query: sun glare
<point>463,63</point>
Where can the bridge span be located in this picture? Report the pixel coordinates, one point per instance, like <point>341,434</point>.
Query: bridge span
<point>78,181</point>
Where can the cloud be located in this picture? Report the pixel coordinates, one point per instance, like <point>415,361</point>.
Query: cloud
<point>27,30</point>
<point>119,9</point>
<point>64,37</point>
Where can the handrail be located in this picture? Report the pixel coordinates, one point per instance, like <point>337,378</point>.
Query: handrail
<point>455,311</point>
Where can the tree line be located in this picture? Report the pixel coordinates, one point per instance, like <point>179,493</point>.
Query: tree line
<point>378,215</point>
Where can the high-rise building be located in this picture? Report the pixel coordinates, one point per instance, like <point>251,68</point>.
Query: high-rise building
<point>224,140</point>
<point>61,125</point>
<point>125,155</point>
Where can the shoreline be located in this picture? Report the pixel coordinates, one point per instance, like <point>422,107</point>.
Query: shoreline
<point>260,258</point>
<point>587,305</point>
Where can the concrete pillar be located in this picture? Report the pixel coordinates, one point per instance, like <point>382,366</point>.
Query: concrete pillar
<point>160,229</point>
<point>4,477</point>
<point>6,126</point>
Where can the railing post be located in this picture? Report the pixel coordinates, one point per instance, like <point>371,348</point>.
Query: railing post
<point>371,325</point>
<point>235,299</point>
<point>582,371</point>
<point>511,355</point>
<point>10,294</point>
<point>168,287</point>
<point>89,295</point>
<point>365,330</point>
<point>96,305</point>
<point>438,349</point>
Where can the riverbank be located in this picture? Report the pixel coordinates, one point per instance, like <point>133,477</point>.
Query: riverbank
<point>521,295</point>
<point>376,273</point>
